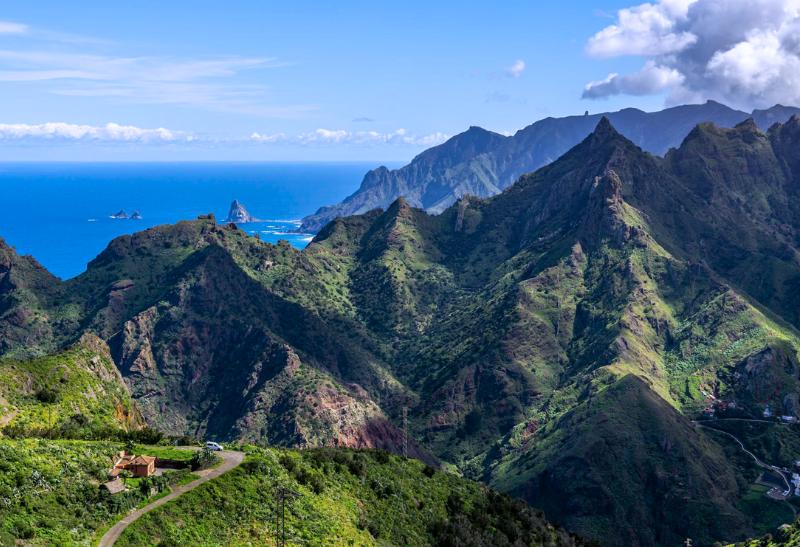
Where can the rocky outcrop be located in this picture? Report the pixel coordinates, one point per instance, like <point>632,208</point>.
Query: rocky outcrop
<point>238,214</point>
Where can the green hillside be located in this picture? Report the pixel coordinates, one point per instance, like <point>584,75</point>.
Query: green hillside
<point>76,393</point>
<point>345,498</point>
<point>555,341</point>
<point>50,491</point>
<point>50,495</point>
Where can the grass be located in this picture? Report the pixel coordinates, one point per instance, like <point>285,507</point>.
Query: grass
<point>164,452</point>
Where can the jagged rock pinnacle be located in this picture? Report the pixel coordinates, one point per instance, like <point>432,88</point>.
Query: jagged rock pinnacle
<point>604,129</point>
<point>238,213</point>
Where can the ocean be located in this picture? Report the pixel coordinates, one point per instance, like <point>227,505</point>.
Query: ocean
<point>61,212</point>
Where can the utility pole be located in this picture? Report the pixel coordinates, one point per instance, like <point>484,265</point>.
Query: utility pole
<point>405,431</point>
<point>281,495</point>
<point>50,421</point>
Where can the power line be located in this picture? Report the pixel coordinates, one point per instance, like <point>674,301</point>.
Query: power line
<point>405,431</point>
<point>281,495</point>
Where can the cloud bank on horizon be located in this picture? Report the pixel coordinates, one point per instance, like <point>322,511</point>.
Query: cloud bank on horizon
<point>115,133</point>
<point>745,53</point>
<point>111,132</point>
<point>340,136</point>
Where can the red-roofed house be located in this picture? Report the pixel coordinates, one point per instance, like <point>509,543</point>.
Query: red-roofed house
<point>139,466</point>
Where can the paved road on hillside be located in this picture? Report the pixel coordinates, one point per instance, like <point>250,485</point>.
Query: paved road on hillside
<point>755,458</point>
<point>754,420</point>
<point>759,463</point>
<point>230,459</point>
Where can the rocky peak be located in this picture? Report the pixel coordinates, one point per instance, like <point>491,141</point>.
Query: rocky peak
<point>747,125</point>
<point>400,207</point>
<point>604,130</point>
<point>607,187</point>
<point>785,139</point>
<point>239,214</point>
<point>748,130</point>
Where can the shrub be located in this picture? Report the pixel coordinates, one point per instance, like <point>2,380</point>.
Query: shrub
<point>203,459</point>
<point>146,435</point>
<point>288,462</point>
<point>47,395</point>
<point>357,466</point>
<point>256,467</point>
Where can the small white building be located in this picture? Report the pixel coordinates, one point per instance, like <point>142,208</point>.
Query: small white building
<point>788,419</point>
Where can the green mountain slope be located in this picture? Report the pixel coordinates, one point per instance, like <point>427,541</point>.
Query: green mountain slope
<point>76,393</point>
<point>24,286</point>
<point>555,340</point>
<point>667,480</point>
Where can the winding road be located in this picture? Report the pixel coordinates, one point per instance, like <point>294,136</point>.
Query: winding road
<point>759,463</point>
<point>230,460</point>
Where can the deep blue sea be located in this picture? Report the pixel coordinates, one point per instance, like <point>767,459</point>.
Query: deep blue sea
<point>60,212</point>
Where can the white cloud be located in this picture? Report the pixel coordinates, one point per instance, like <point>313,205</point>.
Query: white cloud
<point>648,29</point>
<point>431,139</point>
<point>269,138</point>
<point>62,133</point>
<point>516,70</point>
<point>342,136</point>
<point>111,132</point>
<point>650,79</point>
<point>742,52</point>
<point>7,27</point>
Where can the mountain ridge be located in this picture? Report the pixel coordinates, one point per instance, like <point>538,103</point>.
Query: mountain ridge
<point>611,290</point>
<point>434,186</point>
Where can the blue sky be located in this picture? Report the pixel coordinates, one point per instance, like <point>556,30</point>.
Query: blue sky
<point>298,80</point>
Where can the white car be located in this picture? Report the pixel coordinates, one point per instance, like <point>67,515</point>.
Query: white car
<point>216,447</point>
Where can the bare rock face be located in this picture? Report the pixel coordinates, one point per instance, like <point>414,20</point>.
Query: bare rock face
<point>238,213</point>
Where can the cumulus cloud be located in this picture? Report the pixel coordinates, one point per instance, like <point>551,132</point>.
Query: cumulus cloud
<point>111,132</point>
<point>636,28</point>
<point>742,52</point>
<point>516,70</point>
<point>342,136</point>
<point>650,79</point>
